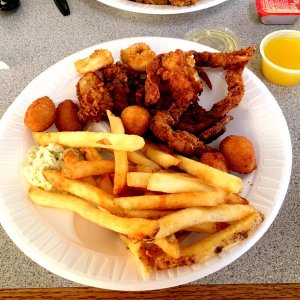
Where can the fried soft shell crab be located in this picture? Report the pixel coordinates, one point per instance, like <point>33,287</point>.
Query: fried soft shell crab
<point>169,86</point>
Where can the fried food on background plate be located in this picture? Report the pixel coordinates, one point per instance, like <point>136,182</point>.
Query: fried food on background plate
<point>40,114</point>
<point>93,97</point>
<point>66,118</point>
<point>157,2</point>
<point>166,2</point>
<point>136,119</point>
<point>182,2</point>
<point>239,154</point>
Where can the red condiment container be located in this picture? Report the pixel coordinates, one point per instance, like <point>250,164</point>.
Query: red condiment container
<point>278,11</point>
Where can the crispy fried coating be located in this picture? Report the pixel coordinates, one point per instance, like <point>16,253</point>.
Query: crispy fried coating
<point>136,119</point>
<point>239,154</point>
<point>98,59</point>
<point>93,97</point>
<point>40,114</point>
<point>234,63</point>
<point>138,56</point>
<point>116,83</point>
<point>66,118</point>
<point>215,160</point>
<point>173,72</point>
<point>224,59</point>
<point>179,140</point>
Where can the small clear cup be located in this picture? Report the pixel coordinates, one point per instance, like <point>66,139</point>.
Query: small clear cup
<point>221,39</point>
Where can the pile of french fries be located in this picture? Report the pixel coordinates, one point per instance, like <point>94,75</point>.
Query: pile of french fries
<point>153,198</point>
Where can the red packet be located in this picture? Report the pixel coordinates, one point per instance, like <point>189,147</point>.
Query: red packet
<point>278,11</point>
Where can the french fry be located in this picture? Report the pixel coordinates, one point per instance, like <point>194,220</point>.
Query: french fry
<point>176,183</point>
<point>213,244</point>
<point>90,153</point>
<point>208,227</point>
<point>188,217</point>
<point>210,175</point>
<point>82,190</point>
<point>90,180</point>
<point>182,235</point>
<point>140,159</point>
<point>77,139</point>
<point>121,162</point>
<point>105,184</point>
<point>121,169</point>
<point>172,201</point>
<point>169,245</point>
<point>235,199</point>
<point>142,168</point>
<point>159,156</point>
<point>146,213</point>
<point>87,168</point>
<point>136,228</point>
<point>139,253</point>
<point>138,179</point>
<point>71,157</point>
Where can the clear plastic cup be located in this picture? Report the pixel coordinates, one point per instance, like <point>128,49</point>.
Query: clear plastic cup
<point>221,39</point>
<point>272,71</point>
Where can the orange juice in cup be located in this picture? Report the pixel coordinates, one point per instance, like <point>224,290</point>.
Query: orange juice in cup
<point>280,51</point>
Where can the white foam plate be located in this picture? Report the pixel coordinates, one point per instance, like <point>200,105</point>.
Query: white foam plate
<point>160,9</point>
<point>75,249</point>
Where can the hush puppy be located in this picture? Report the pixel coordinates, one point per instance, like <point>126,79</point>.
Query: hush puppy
<point>215,160</point>
<point>135,119</point>
<point>66,118</point>
<point>40,114</point>
<point>239,154</point>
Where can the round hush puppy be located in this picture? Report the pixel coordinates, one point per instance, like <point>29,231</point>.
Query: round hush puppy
<point>66,118</point>
<point>40,114</point>
<point>215,160</point>
<point>239,154</point>
<point>135,119</point>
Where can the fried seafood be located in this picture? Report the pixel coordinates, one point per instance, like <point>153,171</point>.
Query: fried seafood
<point>225,59</point>
<point>234,63</point>
<point>179,140</point>
<point>66,118</point>
<point>98,59</point>
<point>215,160</point>
<point>168,86</point>
<point>93,97</point>
<point>184,125</point>
<point>40,114</point>
<point>215,130</point>
<point>174,73</point>
<point>116,82</point>
<point>138,56</point>
<point>136,119</point>
<point>239,154</point>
